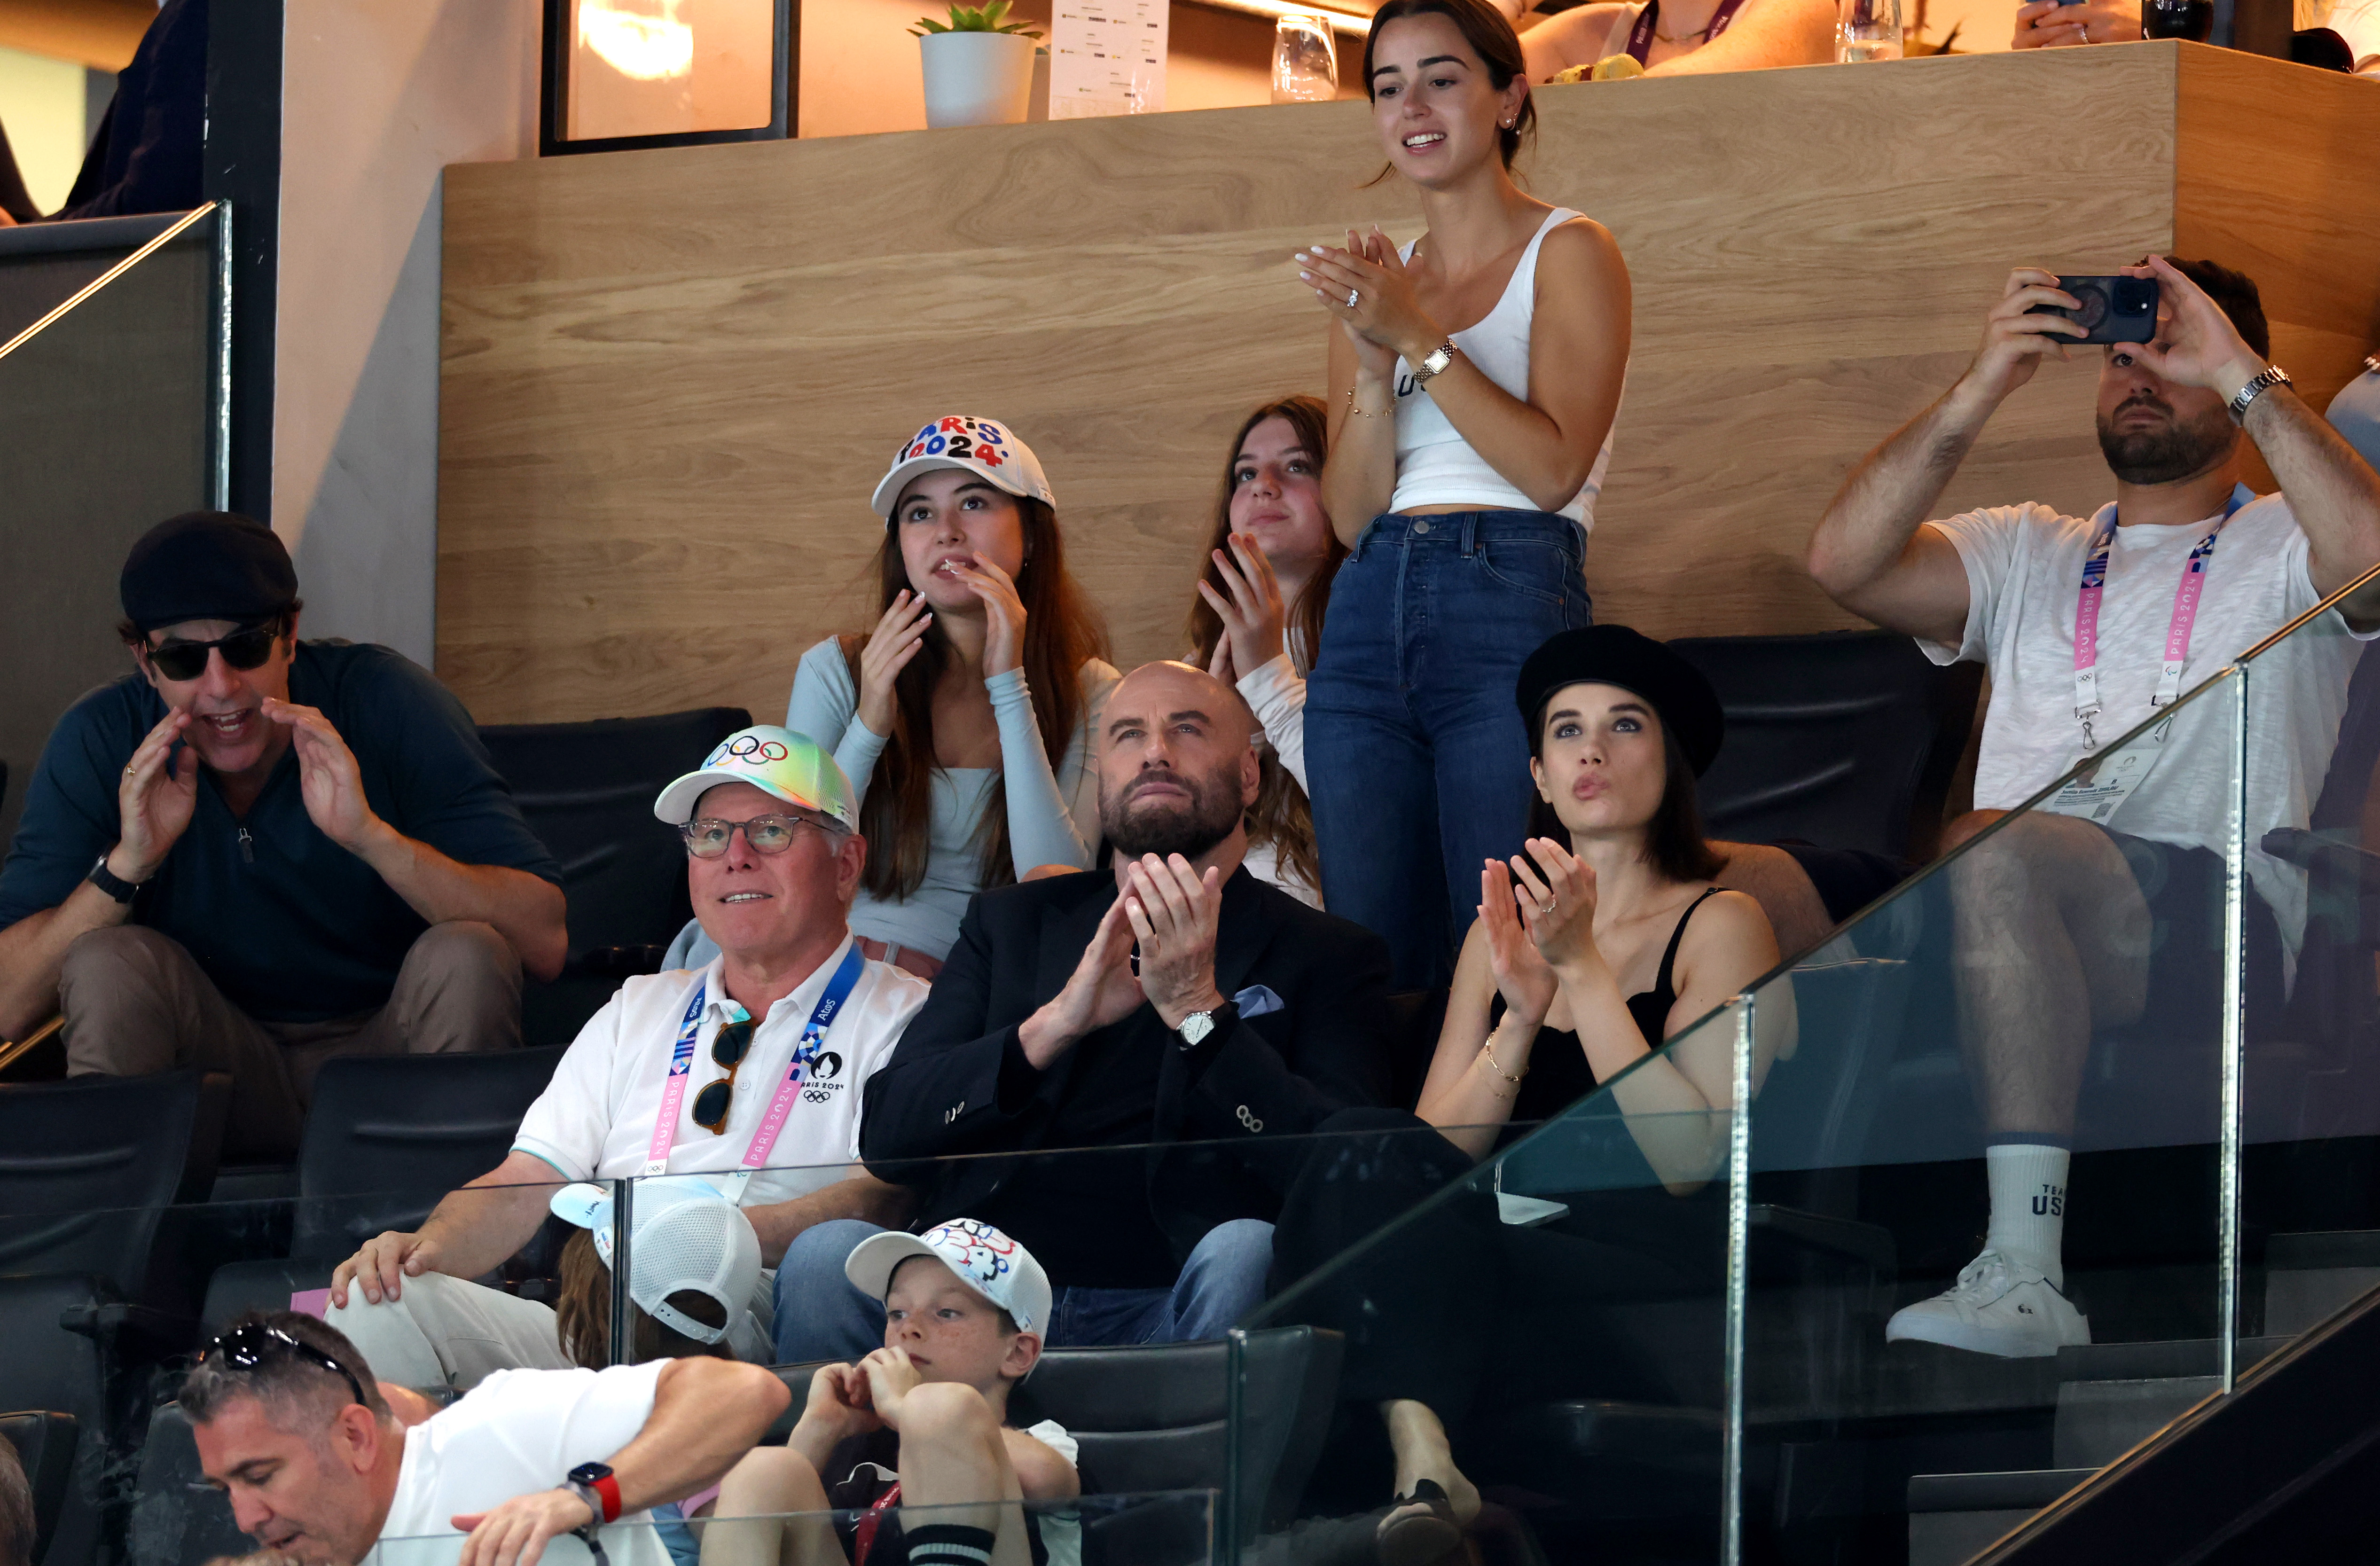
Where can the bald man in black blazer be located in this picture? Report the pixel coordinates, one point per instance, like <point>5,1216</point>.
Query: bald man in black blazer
<point>1174,1010</point>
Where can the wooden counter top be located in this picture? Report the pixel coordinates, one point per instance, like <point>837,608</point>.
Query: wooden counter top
<point>672,378</point>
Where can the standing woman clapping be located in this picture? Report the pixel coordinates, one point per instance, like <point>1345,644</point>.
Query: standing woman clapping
<point>1474,375</point>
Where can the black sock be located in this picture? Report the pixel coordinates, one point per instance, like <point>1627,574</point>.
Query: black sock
<point>947,1544</point>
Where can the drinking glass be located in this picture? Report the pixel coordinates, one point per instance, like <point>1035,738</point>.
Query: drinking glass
<point>1304,65</point>
<point>1867,30</point>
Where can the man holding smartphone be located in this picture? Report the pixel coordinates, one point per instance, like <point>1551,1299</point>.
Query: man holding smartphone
<point>255,853</point>
<point>2104,908</point>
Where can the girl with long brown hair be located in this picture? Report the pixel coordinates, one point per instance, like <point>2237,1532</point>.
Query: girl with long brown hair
<point>962,717</point>
<point>1257,617</point>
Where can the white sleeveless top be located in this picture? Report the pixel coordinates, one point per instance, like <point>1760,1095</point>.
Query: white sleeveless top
<point>1435,465</point>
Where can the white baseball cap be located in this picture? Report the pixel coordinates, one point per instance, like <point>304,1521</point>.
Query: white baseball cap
<point>687,1236</point>
<point>984,1260</point>
<point>779,762</point>
<point>979,446</point>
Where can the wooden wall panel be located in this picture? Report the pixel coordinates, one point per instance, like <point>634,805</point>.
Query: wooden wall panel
<point>671,378</point>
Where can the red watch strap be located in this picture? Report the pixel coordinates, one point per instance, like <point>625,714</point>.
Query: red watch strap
<point>609,1489</point>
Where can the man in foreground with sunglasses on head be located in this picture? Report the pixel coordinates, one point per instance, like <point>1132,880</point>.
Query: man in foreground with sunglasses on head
<point>320,1462</point>
<point>747,1072</point>
<point>256,853</point>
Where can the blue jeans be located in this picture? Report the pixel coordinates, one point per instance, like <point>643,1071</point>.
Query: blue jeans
<point>1417,759</point>
<point>820,1316</point>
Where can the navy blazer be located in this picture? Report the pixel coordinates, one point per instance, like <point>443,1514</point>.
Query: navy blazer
<point>1255,1081</point>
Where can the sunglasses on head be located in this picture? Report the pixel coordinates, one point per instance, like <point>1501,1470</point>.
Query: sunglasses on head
<point>253,1345</point>
<point>242,649</point>
<point>728,1047</point>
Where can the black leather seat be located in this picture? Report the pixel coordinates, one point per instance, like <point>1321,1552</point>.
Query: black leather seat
<point>1153,1421</point>
<point>95,1286</point>
<point>177,1518</point>
<point>1842,740</point>
<point>45,1443</point>
<point>586,790</point>
<point>387,1136</point>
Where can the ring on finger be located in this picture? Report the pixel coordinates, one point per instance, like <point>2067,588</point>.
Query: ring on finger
<point>1549,906</point>
<point>1355,296</point>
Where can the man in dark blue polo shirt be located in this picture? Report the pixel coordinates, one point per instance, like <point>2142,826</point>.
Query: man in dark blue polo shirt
<point>256,853</point>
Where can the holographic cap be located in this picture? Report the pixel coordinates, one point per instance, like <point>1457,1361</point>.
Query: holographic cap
<point>791,767</point>
<point>985,1260</point>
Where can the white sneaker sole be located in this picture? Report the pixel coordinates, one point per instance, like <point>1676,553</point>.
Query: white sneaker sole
<point>1955,1334</point>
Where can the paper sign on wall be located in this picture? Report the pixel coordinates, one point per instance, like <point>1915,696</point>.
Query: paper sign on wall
<point>1106,58</point>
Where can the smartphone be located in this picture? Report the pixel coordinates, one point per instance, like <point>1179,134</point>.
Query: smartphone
<point>2112,310</point>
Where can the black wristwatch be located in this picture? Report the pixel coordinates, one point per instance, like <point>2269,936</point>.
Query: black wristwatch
<point>116,886</point>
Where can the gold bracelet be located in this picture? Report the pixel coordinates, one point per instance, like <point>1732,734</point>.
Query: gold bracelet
<point>1352,408</point>
<point>1488,1050</point>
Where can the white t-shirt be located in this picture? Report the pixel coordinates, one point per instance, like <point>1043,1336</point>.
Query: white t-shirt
<point>515,1433</point>
<point>2024,571</point>
<point>595,1118</point>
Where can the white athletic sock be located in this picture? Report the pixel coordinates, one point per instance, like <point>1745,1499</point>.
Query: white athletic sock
<point>2028,1185</point>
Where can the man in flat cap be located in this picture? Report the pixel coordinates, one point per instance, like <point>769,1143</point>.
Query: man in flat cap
<point>255,853</point>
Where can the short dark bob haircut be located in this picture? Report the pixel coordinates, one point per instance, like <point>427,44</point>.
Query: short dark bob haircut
<point>1674,842</point>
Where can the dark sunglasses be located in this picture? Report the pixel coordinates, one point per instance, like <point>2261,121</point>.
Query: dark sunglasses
<point>728,1047</point>
<point>241,650</point>
<point>250,1347</point>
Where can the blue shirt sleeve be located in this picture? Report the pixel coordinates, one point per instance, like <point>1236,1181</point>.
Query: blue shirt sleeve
<point>70,812</point>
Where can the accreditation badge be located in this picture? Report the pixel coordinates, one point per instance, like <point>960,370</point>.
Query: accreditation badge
<point>2099,790</point>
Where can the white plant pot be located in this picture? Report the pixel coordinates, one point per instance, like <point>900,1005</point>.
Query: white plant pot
<point>976,78</point>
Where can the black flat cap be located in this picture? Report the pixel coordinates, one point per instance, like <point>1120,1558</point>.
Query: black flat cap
<point>206,566</point>
<point>1614,655</point>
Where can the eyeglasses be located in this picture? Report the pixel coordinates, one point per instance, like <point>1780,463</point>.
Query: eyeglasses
<point>708,838</point>
<point>728,1047</point>
<point>250,1347</point>
<point>241,650</point>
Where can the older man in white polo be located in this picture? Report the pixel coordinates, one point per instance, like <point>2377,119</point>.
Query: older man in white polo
<point>748,1072</point>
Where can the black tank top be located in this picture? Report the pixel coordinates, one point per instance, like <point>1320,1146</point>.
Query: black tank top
<point>1558,1075</point>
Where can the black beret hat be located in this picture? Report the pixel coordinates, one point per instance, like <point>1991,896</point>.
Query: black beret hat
<point>206,566</point>
<point>1614,655</point>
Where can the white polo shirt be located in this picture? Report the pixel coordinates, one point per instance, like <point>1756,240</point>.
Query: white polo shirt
<point>516,1433</point>
<point>595,1118</point>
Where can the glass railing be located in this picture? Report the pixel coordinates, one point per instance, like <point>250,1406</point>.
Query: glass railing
<point>2040,1151</point>
<point>114,410</point>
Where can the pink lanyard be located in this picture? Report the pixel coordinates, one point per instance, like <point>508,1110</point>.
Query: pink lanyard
<point>805,1052</point>
<point>1640,36</point>
<point>2186,594</point>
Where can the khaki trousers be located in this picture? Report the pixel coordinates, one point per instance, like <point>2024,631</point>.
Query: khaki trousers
<point>446,1331</point>
<point>137,1003</point>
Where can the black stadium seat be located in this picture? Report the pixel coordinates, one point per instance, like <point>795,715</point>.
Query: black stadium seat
<point>93,1289</point>
<point>586,790</point>
<point>1842,740</point>
<point>387,1136</point>
<point>46,1446</point>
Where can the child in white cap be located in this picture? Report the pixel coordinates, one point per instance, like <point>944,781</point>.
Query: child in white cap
<point>921,1422</point>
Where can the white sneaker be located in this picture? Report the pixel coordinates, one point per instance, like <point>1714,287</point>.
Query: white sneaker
<point>1995,1308</point>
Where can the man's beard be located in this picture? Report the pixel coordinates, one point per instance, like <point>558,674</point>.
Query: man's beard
<point>2165,453</point>
<point>1188,828</point>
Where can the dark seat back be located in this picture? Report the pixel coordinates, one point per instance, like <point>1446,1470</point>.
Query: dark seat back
<point>1841,739</point>
<point>44,1444</point>
<point>1818,1108</point>
<point>586,790</point>
<point>1155,1418</point>
<point>389,1134</point>
<point>177,1518</point>
<point>88,1168</point>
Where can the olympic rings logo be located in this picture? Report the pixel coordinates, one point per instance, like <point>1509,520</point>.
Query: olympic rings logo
<point>750,748</point>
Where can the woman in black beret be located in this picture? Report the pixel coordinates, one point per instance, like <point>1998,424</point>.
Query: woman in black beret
<point>1608,935</point>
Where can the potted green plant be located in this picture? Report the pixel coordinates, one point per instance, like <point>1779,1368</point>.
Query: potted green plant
<point>979,66</point>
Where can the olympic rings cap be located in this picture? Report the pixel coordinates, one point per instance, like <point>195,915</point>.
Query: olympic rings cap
<point>779,762</point>
<point>979,446</point>
<point>984,1260</point>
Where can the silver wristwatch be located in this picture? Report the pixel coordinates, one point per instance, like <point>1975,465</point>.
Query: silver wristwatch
<point>1199,1027</point>
<point>1435,364</point>
<point>2273,375</point>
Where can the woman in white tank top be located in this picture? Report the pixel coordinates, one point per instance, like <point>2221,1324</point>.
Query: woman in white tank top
<point>1474,379</point>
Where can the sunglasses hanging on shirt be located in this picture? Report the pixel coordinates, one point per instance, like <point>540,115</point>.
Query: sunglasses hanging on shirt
<point>728,1047</point>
